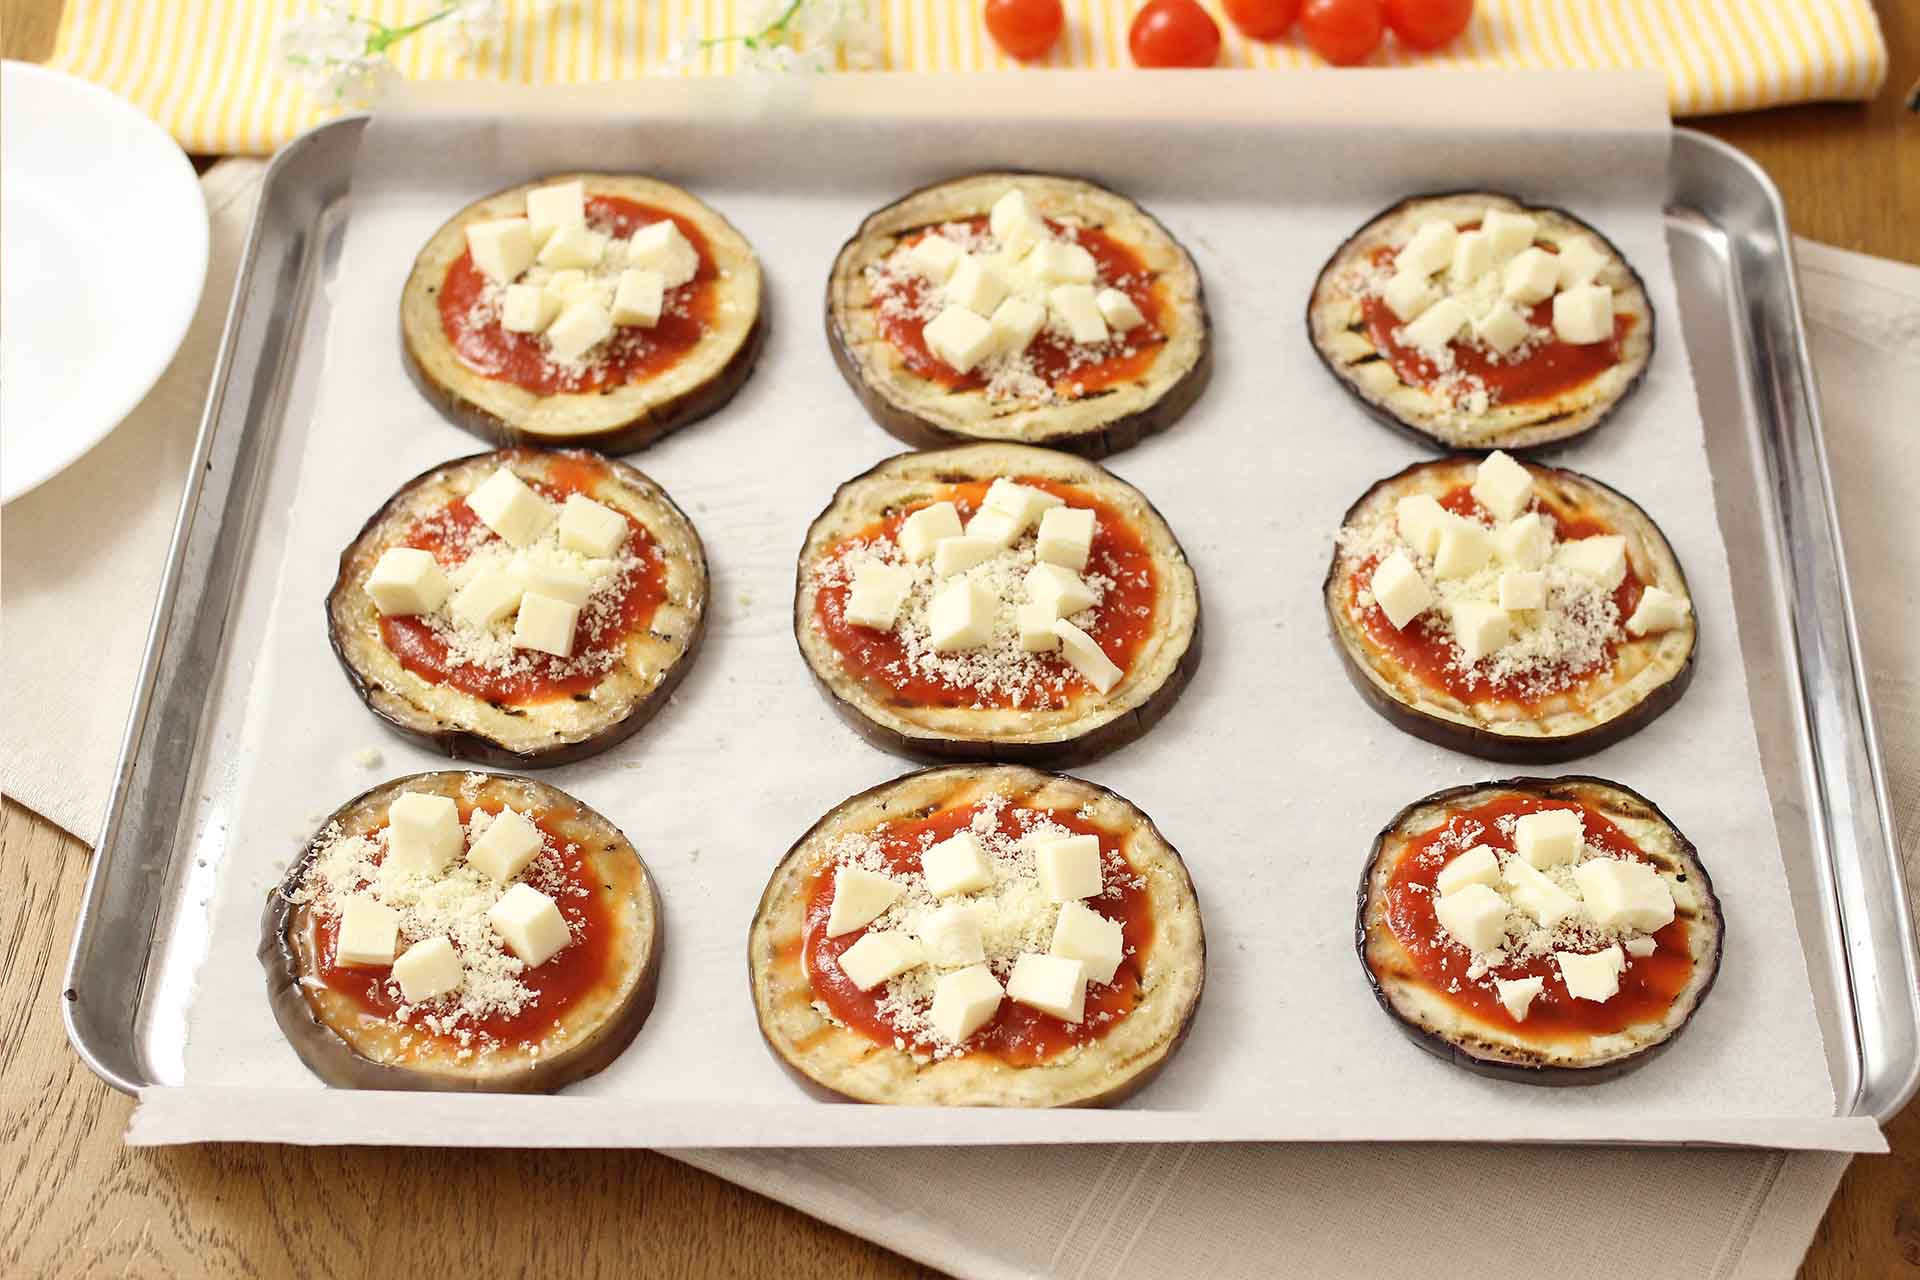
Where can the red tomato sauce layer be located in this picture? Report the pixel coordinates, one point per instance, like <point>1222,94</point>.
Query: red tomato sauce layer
<point>1122,620</point>
<point>1430,655</point>
<point>417,648</point>
<point>632,354</point>
<point>1016,1035</point>
<point>1054,358</point>
<point>555,985</point>
<point>1647,988</point>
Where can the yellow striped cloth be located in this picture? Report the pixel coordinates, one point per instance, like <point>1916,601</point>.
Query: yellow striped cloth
<point>204,69</point>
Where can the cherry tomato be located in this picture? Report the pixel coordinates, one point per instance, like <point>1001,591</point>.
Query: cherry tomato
<point>1262,19</point>
<point>1428,24</point>
<point>1342,31</point>
<point>1026,29</point>
<point>1174,33</point>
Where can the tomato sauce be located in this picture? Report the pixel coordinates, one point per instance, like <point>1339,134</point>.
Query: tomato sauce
<point>1647,988</point>
<point>1122,620</point>
<point>1054,358</point>
<point>633,354</point>
<point>1017,1035</point>
<point>556,984</point>
<point>640,592</point>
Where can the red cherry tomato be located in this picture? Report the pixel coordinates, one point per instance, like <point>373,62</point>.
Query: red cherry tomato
<point>1174,33</point>
<point>1026,29</point>
<point>1342,31</point>
<point>1262,19</point>
<point>1428,24</point>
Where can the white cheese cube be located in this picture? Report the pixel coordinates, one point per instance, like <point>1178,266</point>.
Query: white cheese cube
<point>507,847</point>
<point>1624,894</point>
<point>1518,993</point>
<point>1066,537</point>
<point>1465,548</point>
<point>1479,629</point>
<point>428,970</point>
<point>1407,294</point>
<point>1535,894</point>
<point>1507,233</point>
<point>569,285</point>
<point>1475,915</point>
<point>1438,325</point>
<point>1595,977</point>
<point>956,865</point>
<point>554,580</point>
<point>527,308</point>
<point>1419,519</point>
<point>1641,947</point>
<point>858,896</point>
<point>951,936</point>
<point>1083,934</point>
<point>958,554</point>
<point>1472,258</point>
<point>1074,307</point>
<point>490,596</point>
<point>424,834</point>
<point>924,529</point>
<point>1430,248</point>
<point>577,246</point>
<point>1036,627</point>
<point>1501,329</point>
<point>369,931</point>
<point>591,528</point>
<point>1477,865</point>
<point>507,506</point>
<point>1119,310</point>
<point>545,624</point>
<point>1068,866</point>
<point>562,204</point>
<point>1525,543</point>
<point>1052,984</point>
<point>1087,657</point>
<point>660,246</point>
<point>1502,486</point>
<point>1061,262</point>
<point>1583,314</point>
<point>1059,589</point>
<point>1399,590</point>
<point>1602,558</point>
<point>934,256</point>
<point>1014,324</point>
<point>502,248</point>
<point>960,616</point>
<point>1523,589</point>
<point>639,297</point>
<point>963,1002</point>
<point>407,580</point>
<point>976,284</point>
<point>530,923</point>
<point>958,339</point>
<point>1658,610</point>
<point>1014,224</point>
<point>877,593</point>
<point>879,955</point>
<point>1531,276</point>
<point>578,329</point>
<point>1549,838</point>
<point>1580,261</point>
<point>994,527</point>
<point>1023,502</point>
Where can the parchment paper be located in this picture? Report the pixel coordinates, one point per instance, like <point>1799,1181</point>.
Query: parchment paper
<point>1269,774</point>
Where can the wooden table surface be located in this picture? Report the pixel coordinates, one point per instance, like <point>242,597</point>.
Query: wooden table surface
<point>79,1203</point>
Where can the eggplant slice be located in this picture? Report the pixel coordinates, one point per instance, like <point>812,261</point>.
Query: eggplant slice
<point>349,1047</point>
<point>1094,723</point>
<point>560,730</point>
<point>927,414</point>
<point>1338,330</point>
<point>1444,1029</point>
<point>1646,677</point>
<point>839,1063</point>
<point>618,419</point>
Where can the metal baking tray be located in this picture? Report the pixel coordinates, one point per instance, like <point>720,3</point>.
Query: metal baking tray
<point>142,928</point>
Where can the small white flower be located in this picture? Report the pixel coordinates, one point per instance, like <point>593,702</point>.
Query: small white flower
<point>473,23</point>
<point>685,53</point>
<point>328,54</point>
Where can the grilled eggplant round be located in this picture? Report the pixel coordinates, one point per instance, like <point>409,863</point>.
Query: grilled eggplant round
<point>623,415</point>
<point>1087,723</point>
<point>840,1062</point>
<point>1339,327</point>
<point>928,412</point>
<point>356,1043</point>
<point>1492,1044</point>
<point>638,665</point>
<point>1643,678</point>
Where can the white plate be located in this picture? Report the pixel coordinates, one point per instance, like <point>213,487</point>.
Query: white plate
<point>103,237</point>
